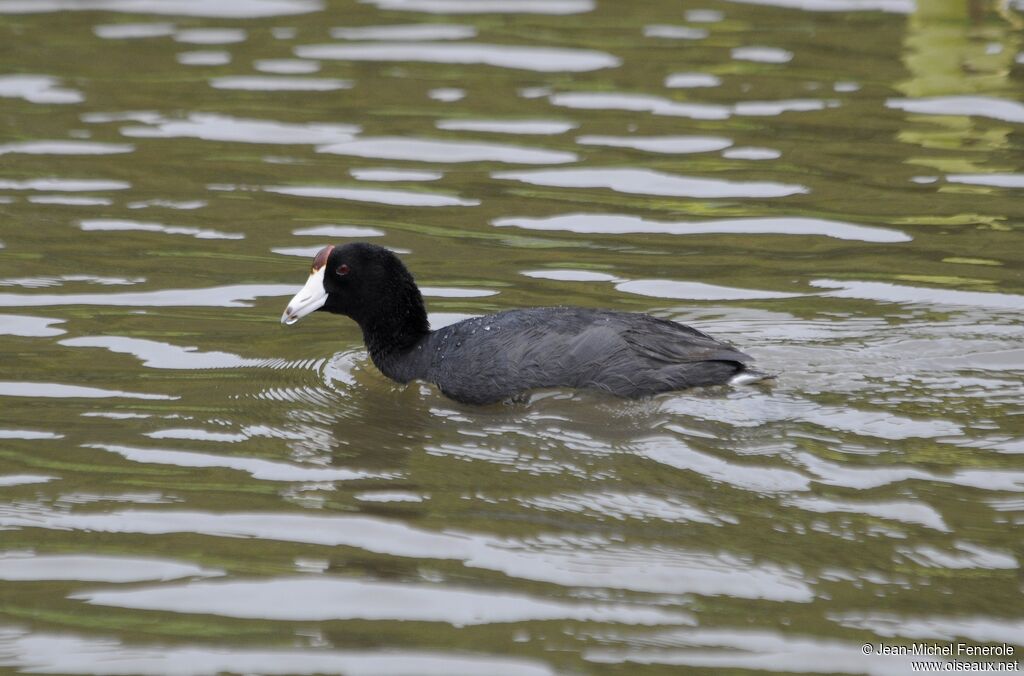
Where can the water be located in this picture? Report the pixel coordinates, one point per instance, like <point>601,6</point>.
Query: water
<point>190,487</point>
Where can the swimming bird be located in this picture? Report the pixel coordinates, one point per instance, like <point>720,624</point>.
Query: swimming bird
<point>500,356</point>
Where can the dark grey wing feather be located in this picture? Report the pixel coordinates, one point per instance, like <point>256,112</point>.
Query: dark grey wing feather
<point>672,343</point>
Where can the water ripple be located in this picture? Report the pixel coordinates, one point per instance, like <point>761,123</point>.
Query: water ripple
<point>94,568</point>
<point>405,198</point>
<point>279,83</point>
<point>994,180</point>
<point>673,32</point>
<point>160,355</point>
<point>264,470</point>
<point>69,654</point>
<point>762,54</point>
<point>621,224</point>
<point>904,511</point>
<point>203,57</point>
<point>64,148</point>
<point>25,479</point>
<point>546,127</point>
<point>539,59</point>
<point>670,288</point>
<point>286,66</point>
<point>897,293</point>
<point>486,6</point>
<point>438,150</point>
<point>692,80</point>
<point>599,564</point>
<point>660,144</point>
<point>236,295</point>
<point>130,31</point>
<point>406,32</point>
<point>322,598</point>
<point>210,36</point>
<point>640,102</point>
<point>894,6</point>
<point>64,184</point>
<point>981,106</point>
<point>672,452</point>
<point>386,175</point>
<point>215,127</point>
<point>230,9</point>
<point>112,225</point>
<point>62,391</point>
<point>650,182</point>
<point>22,325</point>
<point>36,88</point>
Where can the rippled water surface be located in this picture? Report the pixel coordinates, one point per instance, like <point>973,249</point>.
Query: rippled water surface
<point>188,487</point>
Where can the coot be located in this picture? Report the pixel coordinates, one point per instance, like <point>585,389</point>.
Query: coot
<point>496,357</point>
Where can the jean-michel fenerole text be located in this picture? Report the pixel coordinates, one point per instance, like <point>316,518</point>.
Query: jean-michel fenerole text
<point>946,649</point>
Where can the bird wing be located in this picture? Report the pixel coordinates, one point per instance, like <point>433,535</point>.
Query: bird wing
<point>673,343</point>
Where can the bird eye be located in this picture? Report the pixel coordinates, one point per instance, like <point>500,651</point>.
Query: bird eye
<point>343,269</point>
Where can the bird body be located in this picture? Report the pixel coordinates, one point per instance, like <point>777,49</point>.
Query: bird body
<point>496,357</point>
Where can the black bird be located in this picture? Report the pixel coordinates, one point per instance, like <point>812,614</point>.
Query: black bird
<point>496,357</point>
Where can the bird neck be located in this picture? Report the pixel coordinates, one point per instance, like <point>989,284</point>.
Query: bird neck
<point>392,335</point>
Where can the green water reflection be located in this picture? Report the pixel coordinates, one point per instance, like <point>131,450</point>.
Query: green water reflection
<point>188,487</point>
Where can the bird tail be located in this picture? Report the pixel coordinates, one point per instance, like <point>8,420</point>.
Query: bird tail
<point>748,376</point>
